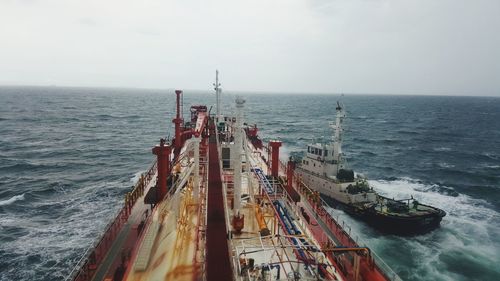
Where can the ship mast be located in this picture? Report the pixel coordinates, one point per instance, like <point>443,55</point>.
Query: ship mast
<point>217,94</point>
<point>238,144</point>
<point>337,138</point>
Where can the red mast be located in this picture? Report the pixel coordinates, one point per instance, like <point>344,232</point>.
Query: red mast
<point>178,122</point>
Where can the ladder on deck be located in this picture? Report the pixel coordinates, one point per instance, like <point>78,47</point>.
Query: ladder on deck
<point>141,263</point>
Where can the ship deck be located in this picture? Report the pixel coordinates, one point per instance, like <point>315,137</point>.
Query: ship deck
<point>281,253</point>
<point>189,234</point>
<point>414,210</point>
<point>124,242</point>
<point>167,246</point>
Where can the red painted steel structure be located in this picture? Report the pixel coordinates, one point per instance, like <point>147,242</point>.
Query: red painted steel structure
<point>162,152</point>
<point>178,122</point>
<point>289,174</point>
<point>289,186</point>
<point>368,269</point>
<point>201,123</point>
<point>218,261</point>
<point>275,160</point>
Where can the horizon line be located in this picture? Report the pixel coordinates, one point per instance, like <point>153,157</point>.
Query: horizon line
<point>259,92</point>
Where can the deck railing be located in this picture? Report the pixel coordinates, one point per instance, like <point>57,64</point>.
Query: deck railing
<point>318,204</point>
<point>89,262</point>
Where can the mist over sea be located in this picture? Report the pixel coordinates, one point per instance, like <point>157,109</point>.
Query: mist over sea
<point>68,156</point>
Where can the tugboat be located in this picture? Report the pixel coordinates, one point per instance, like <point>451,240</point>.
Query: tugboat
<point>323,169</point>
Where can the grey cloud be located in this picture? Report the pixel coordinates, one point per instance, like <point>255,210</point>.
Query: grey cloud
<point>378,46</point>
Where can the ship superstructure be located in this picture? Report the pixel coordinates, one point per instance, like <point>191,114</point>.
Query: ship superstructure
<point>215,206</point>
<point>324,170</point>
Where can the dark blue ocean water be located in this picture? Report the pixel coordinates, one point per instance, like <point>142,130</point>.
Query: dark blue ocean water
<point>68,155</point>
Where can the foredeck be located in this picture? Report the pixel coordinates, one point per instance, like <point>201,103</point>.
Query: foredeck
<point>171,246</point>
<point>167,249</point>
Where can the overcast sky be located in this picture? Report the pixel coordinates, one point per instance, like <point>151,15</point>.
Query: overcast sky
<point>351,46</point>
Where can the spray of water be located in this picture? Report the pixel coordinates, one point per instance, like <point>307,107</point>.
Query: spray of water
<point>465,247</point>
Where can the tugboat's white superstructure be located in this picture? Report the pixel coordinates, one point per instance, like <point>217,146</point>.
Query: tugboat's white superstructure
<point>323,170</point>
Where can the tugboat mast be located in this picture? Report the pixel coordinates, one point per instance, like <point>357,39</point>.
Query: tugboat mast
<point>337,138</point>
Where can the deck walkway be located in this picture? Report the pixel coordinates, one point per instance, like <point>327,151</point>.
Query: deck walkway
<point>124,241</point>
<point>218,261</point>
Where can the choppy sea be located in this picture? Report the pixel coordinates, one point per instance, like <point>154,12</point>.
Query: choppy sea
<point>68,156</point>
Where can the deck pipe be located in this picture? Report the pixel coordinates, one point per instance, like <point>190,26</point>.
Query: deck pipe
<point>162,153</point>
<point>290,228</point>
<point>263,230</point>
<point>178,122</point>
<point>196,180</point>
<point>238,219</point>
<point>287,220</point>
<point>275,157</point>
<point>263,180</point>
<point>236,155</point>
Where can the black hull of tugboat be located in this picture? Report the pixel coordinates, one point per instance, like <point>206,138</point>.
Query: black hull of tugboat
<point>391,224</point>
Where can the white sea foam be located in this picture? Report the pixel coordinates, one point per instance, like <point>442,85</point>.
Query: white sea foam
<point>445,165</point>
<point>136,177</point>
<point>54,242</point>
<point>467,235</point>
<point>12,200</point>
<point>284,153</point>
<point>490,166</point>
<point>490,155</point>
<point>442,149</point>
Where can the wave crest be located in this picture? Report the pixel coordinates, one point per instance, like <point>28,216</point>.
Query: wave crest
<point>12,200</point>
